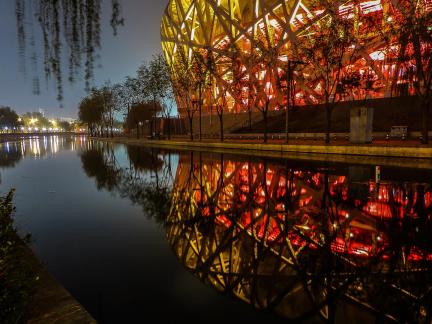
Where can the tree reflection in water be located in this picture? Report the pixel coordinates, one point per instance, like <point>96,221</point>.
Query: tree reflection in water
<point>147,181</point>
<point>305,242</point>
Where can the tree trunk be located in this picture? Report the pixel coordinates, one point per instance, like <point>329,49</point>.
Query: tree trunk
<point>265,124</point>
<point>169,128</point>
<point>425,122</point>
<point>151,128</point>
<point>137,128</point>
<point>191,127</point>
<point>221,126</point>
<point>328,123</point>
<point>250,119</point>
<point>200,112</point>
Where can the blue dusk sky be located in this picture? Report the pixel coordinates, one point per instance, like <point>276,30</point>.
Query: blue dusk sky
<point>135,43</point>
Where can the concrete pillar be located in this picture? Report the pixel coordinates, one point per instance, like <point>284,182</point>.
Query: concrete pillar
<point>361,125</point>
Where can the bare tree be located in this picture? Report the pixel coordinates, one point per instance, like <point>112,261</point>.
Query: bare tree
<point>263,82</point>
<point>325,46</point>
<point>202,66</point>
<point>411,29</point>
<point>155,81</point>
<point>182,85</point>
<point>168,108</point>
<point>110,106</point>
<point>221,104</point>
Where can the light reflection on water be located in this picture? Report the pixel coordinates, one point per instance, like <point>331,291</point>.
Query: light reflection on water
<point>302,240</point>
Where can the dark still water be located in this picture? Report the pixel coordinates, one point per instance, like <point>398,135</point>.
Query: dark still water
<point>137,233</point>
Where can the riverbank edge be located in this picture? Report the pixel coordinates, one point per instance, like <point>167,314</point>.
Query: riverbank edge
<point>319,153</point>
<point>51,302</point>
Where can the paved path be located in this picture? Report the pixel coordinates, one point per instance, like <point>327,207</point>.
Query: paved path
<point>51,303</point>
<point>338,142</point>
<point>403,155</point>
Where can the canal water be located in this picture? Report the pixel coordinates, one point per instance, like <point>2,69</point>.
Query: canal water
<point>138,233</point>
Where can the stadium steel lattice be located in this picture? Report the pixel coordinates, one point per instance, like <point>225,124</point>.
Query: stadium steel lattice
<point>251,41</point>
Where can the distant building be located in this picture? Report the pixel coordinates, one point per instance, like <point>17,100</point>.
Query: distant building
<point>67,119</point>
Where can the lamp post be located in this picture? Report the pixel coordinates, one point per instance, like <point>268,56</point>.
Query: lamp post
<point>289,87</point>
<point>200,110</point>
<point>194,104</point>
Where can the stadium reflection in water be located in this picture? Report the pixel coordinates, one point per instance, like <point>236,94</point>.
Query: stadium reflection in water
<point>306,241</point>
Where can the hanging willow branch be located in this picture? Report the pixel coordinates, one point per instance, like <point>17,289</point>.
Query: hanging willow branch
<point>67,26</point>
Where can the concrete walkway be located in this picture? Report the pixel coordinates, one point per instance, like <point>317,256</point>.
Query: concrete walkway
<point>51,303</point>
<point>400,154</point>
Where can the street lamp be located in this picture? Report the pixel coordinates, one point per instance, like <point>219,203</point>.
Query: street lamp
<point>289,88</point>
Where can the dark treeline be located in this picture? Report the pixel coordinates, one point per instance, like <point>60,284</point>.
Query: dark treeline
<point>141,99</point>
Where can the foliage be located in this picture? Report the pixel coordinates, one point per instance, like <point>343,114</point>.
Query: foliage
<point>155,79</point>
<point>109,96</point>
<point>71,24</point>
<point>35,119</point>
<point>142,97</point>
<point>8,117</point>
<point>183,81</point>
<point>148,94</point>
<point>91,110</point>
<point>16,276</point>
<point>10,158</point>
<point>140,113</point>
<point>412,29</point>
<point>99,107</point>
<point>127,93</point>
<point>154,196</point>
<point>96,165</point>
<point>65,126</point>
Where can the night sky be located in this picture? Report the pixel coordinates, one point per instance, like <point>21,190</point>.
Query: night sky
<point>136,42</point>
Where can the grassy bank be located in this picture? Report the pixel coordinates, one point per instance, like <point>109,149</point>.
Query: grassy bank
<point>17,275</point>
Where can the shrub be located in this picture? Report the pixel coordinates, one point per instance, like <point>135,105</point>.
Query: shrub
<point>17,277</point>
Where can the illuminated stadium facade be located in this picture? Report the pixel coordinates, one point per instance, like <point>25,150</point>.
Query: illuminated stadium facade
<point>249,44</point>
